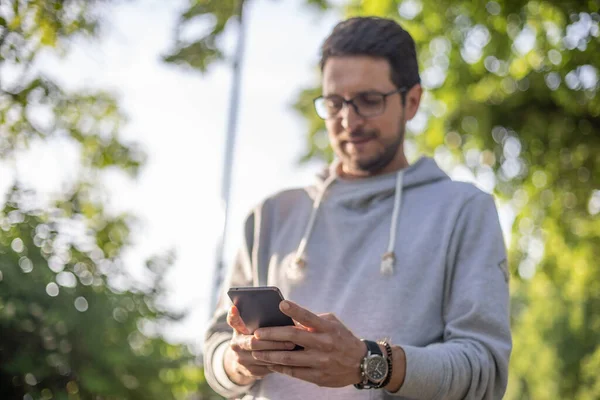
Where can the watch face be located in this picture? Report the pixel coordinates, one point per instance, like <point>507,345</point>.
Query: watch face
<point>376,368</point>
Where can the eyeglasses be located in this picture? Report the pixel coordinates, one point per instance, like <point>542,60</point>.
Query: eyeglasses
<point>366,104</point>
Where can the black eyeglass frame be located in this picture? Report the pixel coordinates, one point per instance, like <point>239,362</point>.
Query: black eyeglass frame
<point>350,102</point>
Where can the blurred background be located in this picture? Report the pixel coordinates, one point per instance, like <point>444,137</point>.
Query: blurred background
<point>114,118</point>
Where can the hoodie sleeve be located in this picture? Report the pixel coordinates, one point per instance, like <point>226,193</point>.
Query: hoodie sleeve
<point>472,360</point>
<point>219,332</point>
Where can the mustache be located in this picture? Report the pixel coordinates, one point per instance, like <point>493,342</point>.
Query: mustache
<point>359,134</point>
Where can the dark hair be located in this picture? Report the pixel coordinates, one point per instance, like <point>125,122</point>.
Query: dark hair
<point>375,37</point>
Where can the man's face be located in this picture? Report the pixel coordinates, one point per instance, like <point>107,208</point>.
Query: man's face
<point>365,146</point>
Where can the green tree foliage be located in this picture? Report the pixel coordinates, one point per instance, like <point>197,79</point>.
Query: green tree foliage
<point>215,15</point>
<point>512,95</point>
<point>66,332</point>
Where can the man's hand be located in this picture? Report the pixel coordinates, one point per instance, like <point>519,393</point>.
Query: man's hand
<point>239,364</point>
<point>331,355</point>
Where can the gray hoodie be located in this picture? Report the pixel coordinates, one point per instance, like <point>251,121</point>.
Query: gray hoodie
<point>410,256</point>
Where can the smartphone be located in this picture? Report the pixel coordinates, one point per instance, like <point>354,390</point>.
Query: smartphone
<point>259,306</point>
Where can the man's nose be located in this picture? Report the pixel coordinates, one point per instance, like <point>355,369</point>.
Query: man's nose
<point>350,118</point>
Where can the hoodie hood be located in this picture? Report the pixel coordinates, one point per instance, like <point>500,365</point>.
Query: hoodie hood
<point>360,193</point>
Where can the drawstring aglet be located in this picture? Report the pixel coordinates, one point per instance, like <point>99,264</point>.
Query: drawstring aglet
<point>299,262</point>
<point>295,271</point>
<point>387,263</point>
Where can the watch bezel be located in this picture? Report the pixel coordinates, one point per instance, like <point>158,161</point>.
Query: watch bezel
<point>380,359</point>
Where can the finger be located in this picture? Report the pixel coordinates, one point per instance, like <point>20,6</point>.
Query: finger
<point>247,361</point>
<point>235,321</point>
<point>329,317</point>
<point>305,374</point>
<point>306,339</point>
<point>304,317</point>
<point>251,343</point>
<point>292,358</point>
<point>256,371</point>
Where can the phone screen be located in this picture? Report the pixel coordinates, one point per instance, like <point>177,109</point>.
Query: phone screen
<point>259,306</point>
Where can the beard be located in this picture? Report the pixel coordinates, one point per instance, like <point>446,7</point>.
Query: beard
<point>376,162</point>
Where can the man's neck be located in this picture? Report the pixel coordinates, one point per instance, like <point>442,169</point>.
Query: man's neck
<point>396,165</point>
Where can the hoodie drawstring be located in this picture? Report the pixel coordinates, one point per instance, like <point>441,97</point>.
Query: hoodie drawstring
<point>299,261</point>
<point>388,259</point>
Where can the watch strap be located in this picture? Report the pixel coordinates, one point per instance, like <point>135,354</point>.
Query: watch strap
<point>372,347</point>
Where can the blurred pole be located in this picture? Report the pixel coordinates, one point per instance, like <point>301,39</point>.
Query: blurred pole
<point>229,152</point>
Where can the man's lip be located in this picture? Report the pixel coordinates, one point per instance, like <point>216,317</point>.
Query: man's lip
<point>356,141</point>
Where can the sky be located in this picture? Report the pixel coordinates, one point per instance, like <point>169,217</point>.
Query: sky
<point>180,118</point>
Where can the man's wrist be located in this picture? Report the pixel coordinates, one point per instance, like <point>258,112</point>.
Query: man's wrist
<point>398,369</point>
<point>363,351</point>
<point>232,374</point>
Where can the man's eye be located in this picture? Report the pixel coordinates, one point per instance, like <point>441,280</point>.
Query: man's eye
<point>369,99</point>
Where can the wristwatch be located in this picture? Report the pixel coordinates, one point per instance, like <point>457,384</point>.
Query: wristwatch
<point>373,368</point>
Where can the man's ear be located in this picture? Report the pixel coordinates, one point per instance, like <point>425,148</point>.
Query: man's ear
<point>413,99</point>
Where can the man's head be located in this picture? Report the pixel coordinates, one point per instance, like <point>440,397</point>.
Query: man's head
<point>371,62</point>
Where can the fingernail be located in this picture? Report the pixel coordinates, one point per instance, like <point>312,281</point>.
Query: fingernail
<point>285,305</point>
<point>290,345</point>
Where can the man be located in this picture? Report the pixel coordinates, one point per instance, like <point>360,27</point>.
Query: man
<point>395,274</point>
